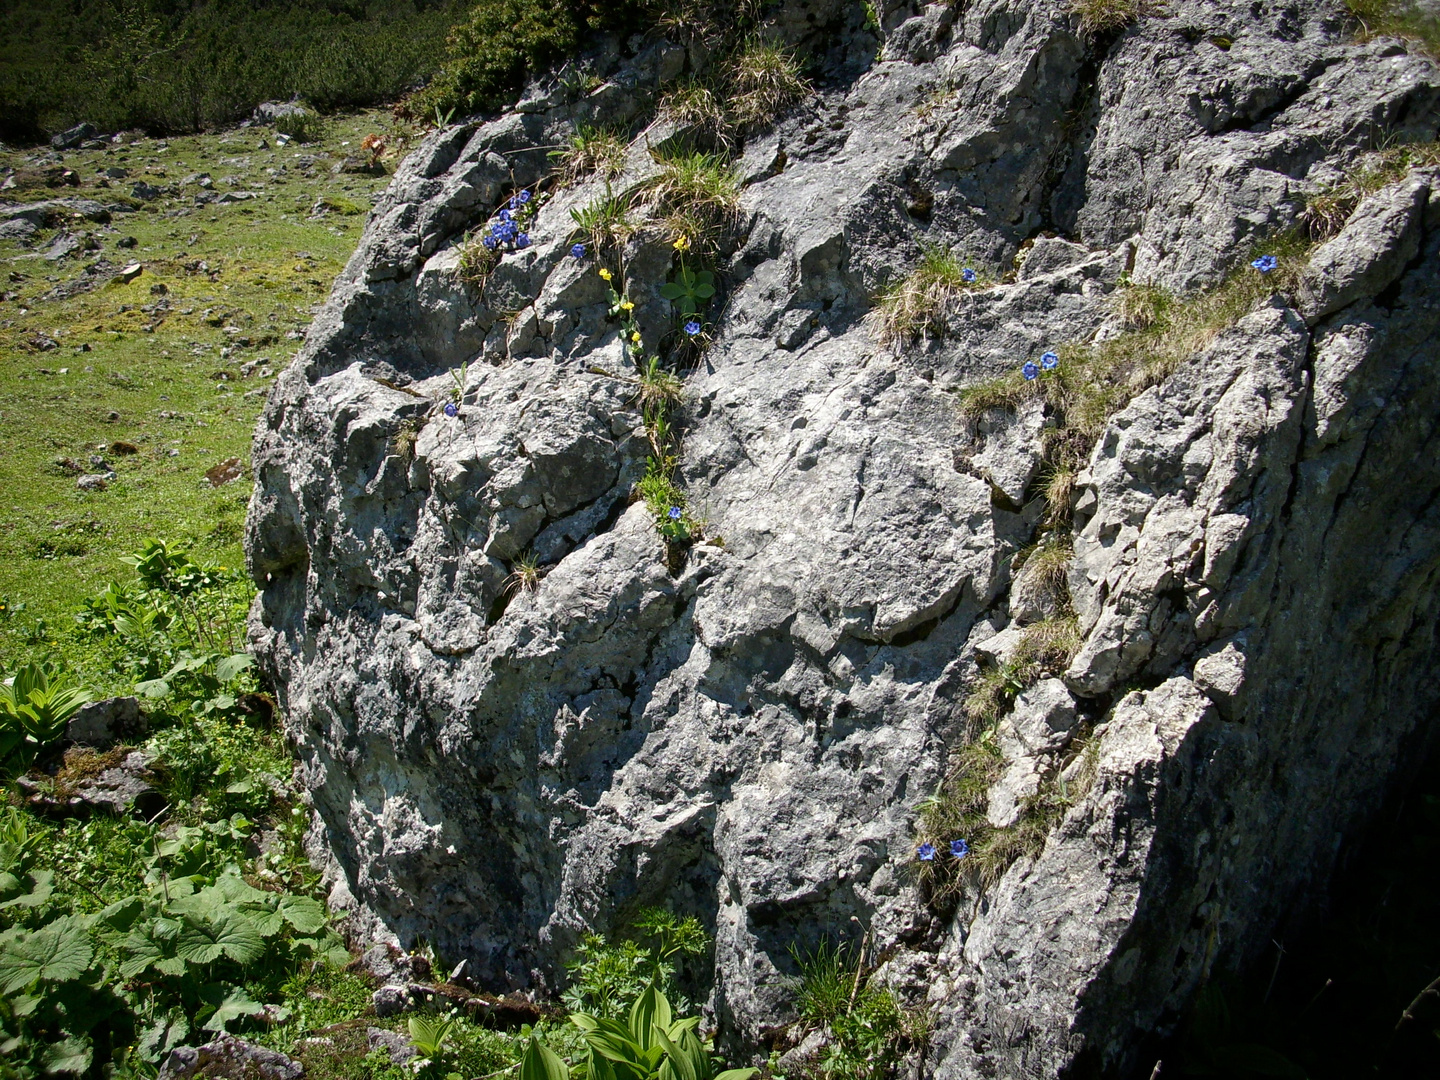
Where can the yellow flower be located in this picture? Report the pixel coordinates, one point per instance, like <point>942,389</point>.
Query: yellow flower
<point>635,336</point>
<point>605,273</point>
<point>627,305</point>
<point>682,243</point>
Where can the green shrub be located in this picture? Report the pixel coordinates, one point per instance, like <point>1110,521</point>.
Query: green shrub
<point>490,55</point>
<point>606,980</point>
<point>189,65</point>
<point>303,127</point>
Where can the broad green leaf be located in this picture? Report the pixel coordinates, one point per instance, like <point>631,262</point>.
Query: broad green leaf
<point>122,914</point>
<point>671,291</point>
<point>164,1035</point>
<point>677,1062</point>
<point>70,1056</point>
<point>542,1063</point>
<point>55,953</point>
<point>651,1010</point>
<point>40,888</point>
<point>153,688</point>
<point>611,1039</point>
<point>736,1074</point>
<point>204,940</point>
<point>143,947</point>
<point>232,1006</point>
<point>704,291</point>
<point>232,666</point>
<point>306,915</point>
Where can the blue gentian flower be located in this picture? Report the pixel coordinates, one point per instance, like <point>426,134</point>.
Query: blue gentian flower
<point>959,848</point>
<point>1030,370</point>
<point>504,215</point>
<point>1049,360</point>
<point>926,852</point>
<point>675,513</point>
<point>692,328</point>
<point>490,242</point>
<point>524,197</point>
<point>522,241</point>
<point>967,275</point>
<point>577,250</point>
<point>1265,263</point>
<point>451,409</point>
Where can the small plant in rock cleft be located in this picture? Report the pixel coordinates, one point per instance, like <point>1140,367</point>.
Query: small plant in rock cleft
<point>506,233</point>
<point>604,225</point>
<point>872,1035</point>
<point>695,109</point>
<point>918,305</point>
<point>591,151</point>
<point>765,82</point>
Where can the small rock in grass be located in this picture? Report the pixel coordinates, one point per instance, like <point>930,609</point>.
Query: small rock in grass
<point>131,272</point>
<point>390,1000</point>
<point>102,724</point>
<point>232,1059</point>
<point>92,482</point>
<point>393,1043</point>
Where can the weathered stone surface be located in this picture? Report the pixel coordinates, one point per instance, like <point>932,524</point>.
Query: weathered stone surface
<point>230,1058</point>
<point>497,770</point>
<point>103,723</point>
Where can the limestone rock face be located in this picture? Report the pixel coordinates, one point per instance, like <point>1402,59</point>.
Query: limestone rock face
<point>745,733</point>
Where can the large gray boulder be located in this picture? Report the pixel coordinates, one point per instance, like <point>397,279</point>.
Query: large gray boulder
<point>745,734</point>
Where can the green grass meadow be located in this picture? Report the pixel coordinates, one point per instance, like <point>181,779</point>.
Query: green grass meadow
<point>161,377</point>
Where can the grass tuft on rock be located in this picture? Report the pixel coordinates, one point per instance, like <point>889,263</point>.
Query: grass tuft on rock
<point>1405,19</point>
<point>765,82</point>
<point>1101,17</point>
<point>1327,211</point>
<point>918,304</point>
<point>591,151</point>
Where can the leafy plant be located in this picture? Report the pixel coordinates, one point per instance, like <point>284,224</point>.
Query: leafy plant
<point>429,1034</point>
<point>34,708</point>
<point>606,979</point>
<point>604,225</point>
<point>652,1045</point>
<point>690,289</point>
<point>871,1033</point>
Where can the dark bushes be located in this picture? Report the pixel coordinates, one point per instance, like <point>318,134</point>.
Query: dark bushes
<point>171,66</point>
